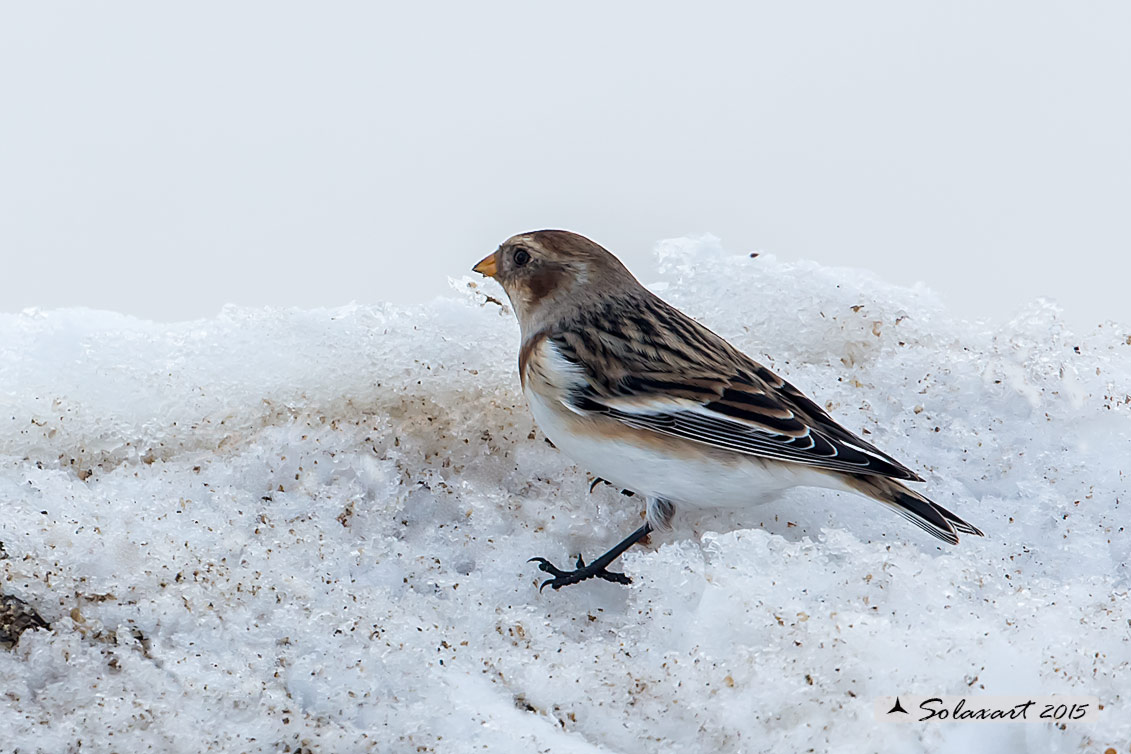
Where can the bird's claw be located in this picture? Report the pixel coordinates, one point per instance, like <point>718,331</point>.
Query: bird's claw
<point>599,480</point>
<point>580,573</point>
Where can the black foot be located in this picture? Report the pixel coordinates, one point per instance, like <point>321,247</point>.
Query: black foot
<point>582,572</point>
<point>599,480</point>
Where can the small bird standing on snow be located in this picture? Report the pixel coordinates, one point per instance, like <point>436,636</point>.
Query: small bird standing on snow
<point>645,397</point>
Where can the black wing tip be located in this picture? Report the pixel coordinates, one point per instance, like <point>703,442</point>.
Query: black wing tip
<point>959,525</point>
<point>947,530</point>
<point>894,470</point>
<point>947,534</point>
<point>928,516</point>
<point>890,467</point>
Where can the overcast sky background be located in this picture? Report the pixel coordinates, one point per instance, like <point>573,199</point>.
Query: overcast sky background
<point>162,160</point>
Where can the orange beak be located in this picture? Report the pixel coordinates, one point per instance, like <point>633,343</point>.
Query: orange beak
<point>487,266</point>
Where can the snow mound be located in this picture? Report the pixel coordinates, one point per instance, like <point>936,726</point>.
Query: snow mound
<point>284,530</point>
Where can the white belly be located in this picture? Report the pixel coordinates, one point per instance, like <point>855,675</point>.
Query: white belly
<point>702,480</point>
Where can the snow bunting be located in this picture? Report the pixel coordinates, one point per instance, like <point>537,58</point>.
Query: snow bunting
<point>643,396</point>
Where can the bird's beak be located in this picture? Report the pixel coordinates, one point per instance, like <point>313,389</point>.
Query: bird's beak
<point>487,266</point>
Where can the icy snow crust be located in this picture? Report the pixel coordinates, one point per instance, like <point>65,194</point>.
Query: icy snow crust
<point>282,529</point>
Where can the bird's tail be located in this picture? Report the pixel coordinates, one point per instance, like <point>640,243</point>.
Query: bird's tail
<point>927,515</point>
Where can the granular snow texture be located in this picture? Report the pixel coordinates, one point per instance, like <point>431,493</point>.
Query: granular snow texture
<point>284,531</point>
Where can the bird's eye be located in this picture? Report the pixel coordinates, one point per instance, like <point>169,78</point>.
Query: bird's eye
<point>521,257</point>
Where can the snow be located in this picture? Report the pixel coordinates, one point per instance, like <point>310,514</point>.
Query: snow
<point>288,530</point>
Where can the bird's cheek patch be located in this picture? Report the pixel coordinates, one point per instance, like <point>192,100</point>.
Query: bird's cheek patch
<point>542,282</point>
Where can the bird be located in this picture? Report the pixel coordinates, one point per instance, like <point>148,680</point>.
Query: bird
<point>648,399</point>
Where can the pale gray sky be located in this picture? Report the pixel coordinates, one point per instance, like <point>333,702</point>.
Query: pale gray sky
<point>164,159</point>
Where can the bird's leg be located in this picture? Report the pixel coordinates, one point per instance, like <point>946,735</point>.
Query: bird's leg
<point>596,569</point>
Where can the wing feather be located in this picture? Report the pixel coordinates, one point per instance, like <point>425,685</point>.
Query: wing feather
<point>653,368</point>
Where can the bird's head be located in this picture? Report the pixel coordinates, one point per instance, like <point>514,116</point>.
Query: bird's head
<point>549,273</point>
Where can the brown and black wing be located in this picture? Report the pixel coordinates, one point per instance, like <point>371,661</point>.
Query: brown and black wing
<point>651,367</point>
